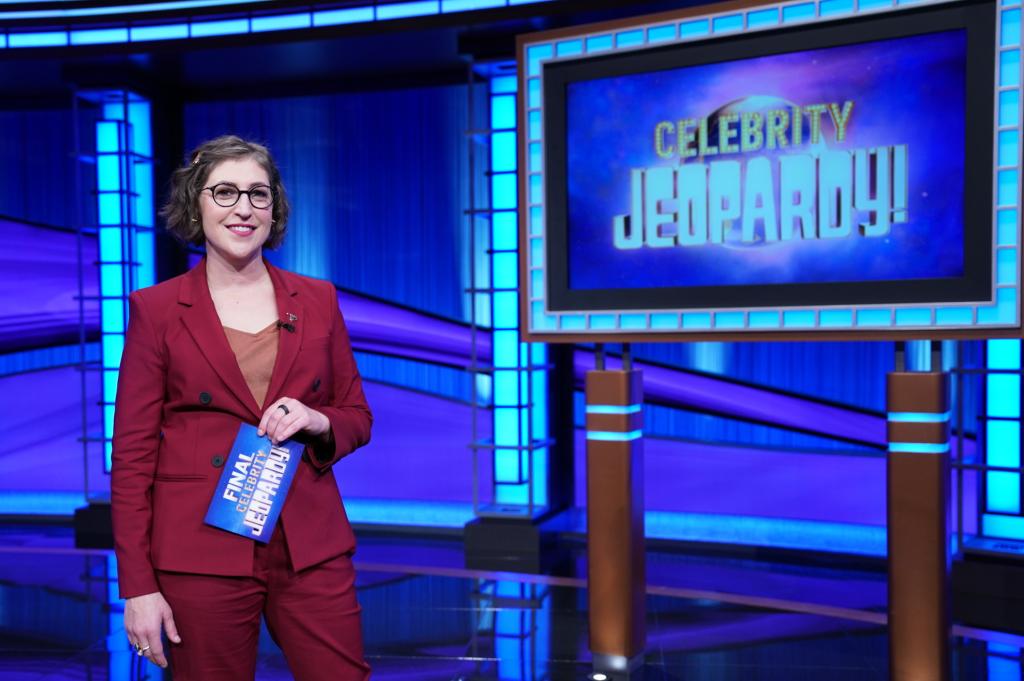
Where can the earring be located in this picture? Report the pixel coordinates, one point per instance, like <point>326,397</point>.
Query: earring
<point>194,220</point>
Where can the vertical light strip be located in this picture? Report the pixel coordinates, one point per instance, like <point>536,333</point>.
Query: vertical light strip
<point>522,630</point>
<point>120,657</point>
<point>124,195</point>
<point>512,630</point>
<point>1002,425</point>
<point>520,376</point>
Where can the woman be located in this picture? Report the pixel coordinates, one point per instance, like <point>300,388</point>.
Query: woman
<point>235,340</point>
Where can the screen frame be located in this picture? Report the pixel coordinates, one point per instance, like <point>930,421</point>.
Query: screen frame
<point>999,316</point>
<point>976,282</point>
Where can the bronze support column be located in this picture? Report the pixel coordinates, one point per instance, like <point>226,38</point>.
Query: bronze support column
<point>615,522</point>
<point>918,526</point>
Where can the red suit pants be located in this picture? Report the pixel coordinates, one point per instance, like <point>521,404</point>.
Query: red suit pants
<point>312,615</point>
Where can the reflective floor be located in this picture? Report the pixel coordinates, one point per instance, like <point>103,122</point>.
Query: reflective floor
<point>427,617</point>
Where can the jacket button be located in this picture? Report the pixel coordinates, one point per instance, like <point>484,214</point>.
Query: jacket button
<point>205,398</point>
<point>316,384</point>
<point>217,460</point>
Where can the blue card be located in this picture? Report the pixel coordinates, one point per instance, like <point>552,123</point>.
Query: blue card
<point>254,484</point>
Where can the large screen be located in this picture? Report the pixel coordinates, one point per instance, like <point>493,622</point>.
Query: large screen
<point>843,163</point>
<point>791,168</point>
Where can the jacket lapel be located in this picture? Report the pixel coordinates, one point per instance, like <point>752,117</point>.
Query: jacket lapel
<point>201,320</point>
<point>288,306</point>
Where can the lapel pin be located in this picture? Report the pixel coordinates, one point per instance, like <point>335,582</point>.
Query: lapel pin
<point>289,325</point>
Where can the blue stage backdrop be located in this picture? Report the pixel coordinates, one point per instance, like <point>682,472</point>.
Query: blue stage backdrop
<point>851,374</point>
<point>37,181</point>
<point>42,467</point>
<point>40,386</point>
<point>378,181</point>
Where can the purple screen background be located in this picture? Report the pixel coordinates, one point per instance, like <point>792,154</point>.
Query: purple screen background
<point>906,91</point>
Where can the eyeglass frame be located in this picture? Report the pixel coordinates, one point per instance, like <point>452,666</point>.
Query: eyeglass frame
<point>247,192</point>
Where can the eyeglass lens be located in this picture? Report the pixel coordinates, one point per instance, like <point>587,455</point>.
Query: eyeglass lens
<point>227,195</point>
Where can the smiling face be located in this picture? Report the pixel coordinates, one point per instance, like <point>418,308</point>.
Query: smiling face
<point>236,234</point>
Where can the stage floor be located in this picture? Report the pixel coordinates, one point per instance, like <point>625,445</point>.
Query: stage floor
<point>720,618</point>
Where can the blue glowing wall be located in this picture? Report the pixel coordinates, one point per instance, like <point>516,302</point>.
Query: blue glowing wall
<point>520,381</point>
<point>377,180</point>
<point>41,390</point>
<point>122,142</point>
<point>40,386</point>
<point>36,172</point>
<point>47,312</point>
<point>1002,423</point>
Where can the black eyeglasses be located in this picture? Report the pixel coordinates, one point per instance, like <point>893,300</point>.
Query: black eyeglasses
<point>227,195</point>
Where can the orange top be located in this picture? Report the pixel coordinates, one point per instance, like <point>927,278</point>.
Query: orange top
<point>256,353</point>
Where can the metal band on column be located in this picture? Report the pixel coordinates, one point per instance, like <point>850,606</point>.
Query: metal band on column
<point>615,521</point>
<point>918,526</point>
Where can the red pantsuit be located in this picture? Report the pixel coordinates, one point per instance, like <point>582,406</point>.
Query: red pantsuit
<point>313,615</point>
<point>181,399</point>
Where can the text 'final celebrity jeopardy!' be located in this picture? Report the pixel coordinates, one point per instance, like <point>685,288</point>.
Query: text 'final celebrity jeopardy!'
<point>254,485</point>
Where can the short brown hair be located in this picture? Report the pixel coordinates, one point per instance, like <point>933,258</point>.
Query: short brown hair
<point>181,212</point>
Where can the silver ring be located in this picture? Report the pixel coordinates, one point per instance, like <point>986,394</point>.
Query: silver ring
<point>142,650</point>
<point>281,406</point>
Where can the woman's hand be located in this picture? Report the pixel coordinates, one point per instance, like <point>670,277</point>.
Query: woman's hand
<point>288,416</point>
<point>143,618</point>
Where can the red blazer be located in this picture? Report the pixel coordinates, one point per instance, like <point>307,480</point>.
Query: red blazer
<point>180,400</point>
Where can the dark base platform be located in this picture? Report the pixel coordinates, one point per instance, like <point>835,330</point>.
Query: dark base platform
<point>516,545</point>
<point>988,592</point>
<point>93,526</point>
